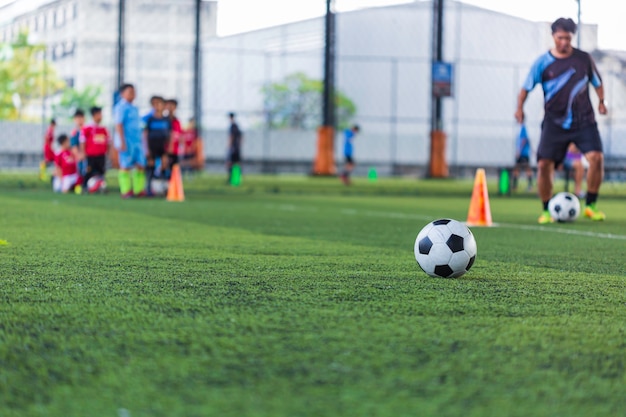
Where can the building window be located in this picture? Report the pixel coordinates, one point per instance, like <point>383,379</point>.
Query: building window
<point>69,48</point>
<point>60,17</point>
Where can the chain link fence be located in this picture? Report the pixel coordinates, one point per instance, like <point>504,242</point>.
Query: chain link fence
<point>271,78</point>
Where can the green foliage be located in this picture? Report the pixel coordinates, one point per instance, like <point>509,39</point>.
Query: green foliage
<point>298,296</point>
<point>296,103</point>
<point>73,99</point>
<point>24,76</point>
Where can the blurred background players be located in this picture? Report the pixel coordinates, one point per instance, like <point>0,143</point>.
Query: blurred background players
<point>48,151</point>
<point>150,112</point>
<point>66,176</point>
<point>233,156</point>
<point>94,144</point>
<point>522,159</point>
<point>348,152</point>
<point>190,148</point>
<point>175,149</point>
<point>128,142</point>
<point>157,134</point>
<point>79,122</point>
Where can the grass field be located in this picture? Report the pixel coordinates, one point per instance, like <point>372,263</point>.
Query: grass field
<point>294,296</point>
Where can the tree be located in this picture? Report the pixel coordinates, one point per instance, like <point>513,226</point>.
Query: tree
<point>25,76</point>
<point>73,99</point>
<point>296,103</point>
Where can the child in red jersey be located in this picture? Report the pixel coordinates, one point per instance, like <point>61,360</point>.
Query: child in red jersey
<point>175,150</point>
<point>48,152</point>
<point>94,144</point>
<point>189,139</point>
<point>66,173</point>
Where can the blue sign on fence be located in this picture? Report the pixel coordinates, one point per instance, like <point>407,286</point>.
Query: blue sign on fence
<point>442,79</point>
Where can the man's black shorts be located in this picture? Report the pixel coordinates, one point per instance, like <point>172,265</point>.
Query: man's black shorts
<point>349,159</point>
<point>96,165</point>
<point>555,140</point>
<point>157,148</point>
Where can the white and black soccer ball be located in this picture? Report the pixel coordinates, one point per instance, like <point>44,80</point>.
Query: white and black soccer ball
<point>96,184</point>
<point>564,207</point>
<point>445,248</point>
<point>158,186</point>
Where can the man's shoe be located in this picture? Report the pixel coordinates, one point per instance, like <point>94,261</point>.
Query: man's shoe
<point>594,214</point>
<point>128,195</point>
<point>545,218</point>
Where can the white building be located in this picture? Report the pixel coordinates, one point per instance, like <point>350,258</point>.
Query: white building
<point>383,65</point>
<point>81,39</point>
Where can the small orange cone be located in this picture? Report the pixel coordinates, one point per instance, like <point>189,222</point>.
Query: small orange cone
<point>479,211</point>
<point>175,189</point>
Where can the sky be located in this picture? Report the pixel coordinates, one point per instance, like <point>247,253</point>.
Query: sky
<point>236,16</point>
<point>265,13</point>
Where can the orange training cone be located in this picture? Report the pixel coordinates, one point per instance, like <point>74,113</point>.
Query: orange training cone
<point>479,210</point>
<point>175,189</point>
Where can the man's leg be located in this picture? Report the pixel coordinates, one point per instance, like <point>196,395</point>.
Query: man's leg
<point>545,174</point>
<point>579,173</point>
<point>595,174</point>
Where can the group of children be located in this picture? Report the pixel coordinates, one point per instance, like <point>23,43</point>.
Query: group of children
<point>81,155</point>
<point>81,159</point>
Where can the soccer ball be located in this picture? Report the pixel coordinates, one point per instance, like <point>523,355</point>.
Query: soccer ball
<point>445,248</point>
<point>564,207</point>
<point>96,184</point>
<point>158,186</point>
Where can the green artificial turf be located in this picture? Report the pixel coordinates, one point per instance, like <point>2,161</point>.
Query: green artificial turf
<point>296,296</point>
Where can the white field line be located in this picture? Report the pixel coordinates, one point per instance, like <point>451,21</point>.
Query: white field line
<point>553,229</point>
<point>394,215</point>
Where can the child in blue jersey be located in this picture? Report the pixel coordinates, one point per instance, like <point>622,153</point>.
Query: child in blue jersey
<point>348,152</point>
<point>79,122</point>
<point>128,142</point>
<point>157,135</point>
<point>522,159</point>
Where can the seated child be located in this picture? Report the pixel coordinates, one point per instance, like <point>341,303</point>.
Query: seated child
<point>66,176</point>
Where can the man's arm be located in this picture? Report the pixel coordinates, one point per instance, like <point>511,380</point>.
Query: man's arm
<point>521,99</point>
<point>602,106</point>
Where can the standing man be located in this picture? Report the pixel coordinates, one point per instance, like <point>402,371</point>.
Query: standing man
<point>348,151</point>
<point>235,138</point>
<point>129,144</point>
<point>565,73</point>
